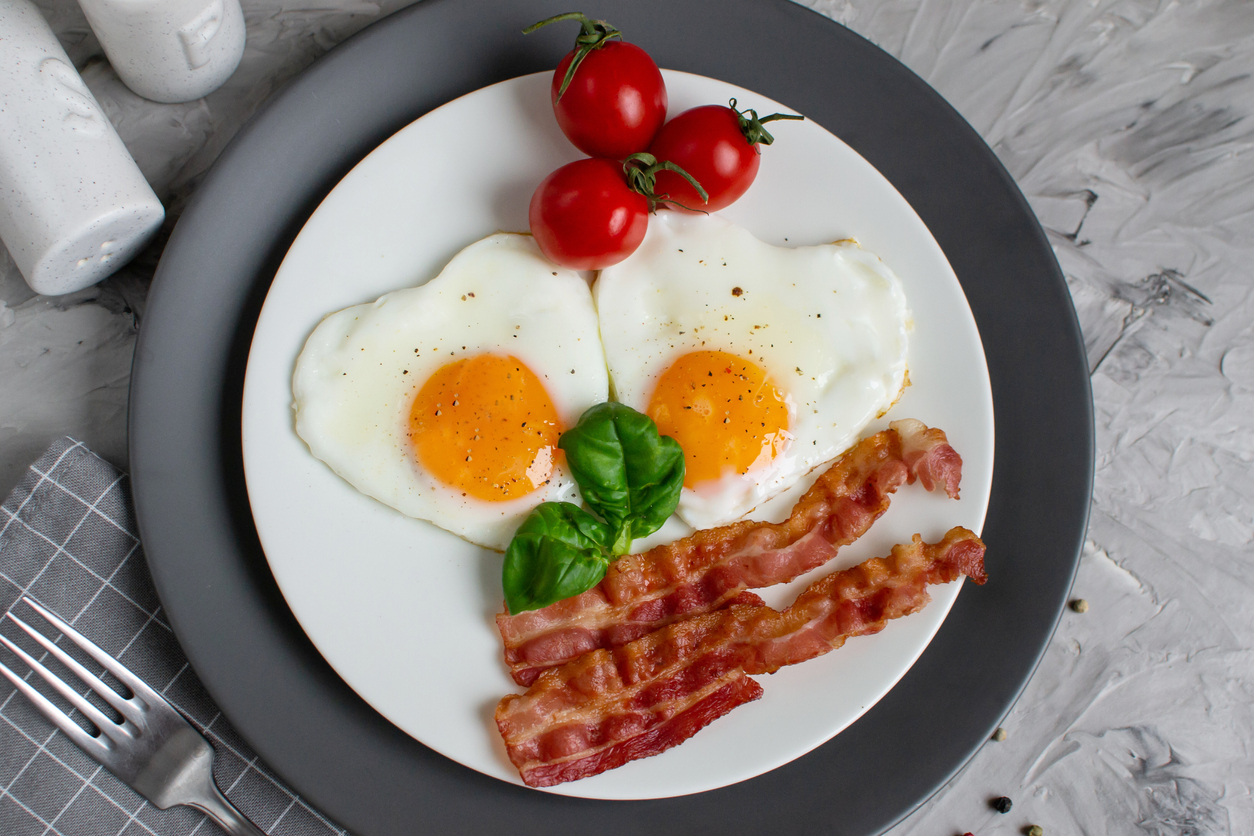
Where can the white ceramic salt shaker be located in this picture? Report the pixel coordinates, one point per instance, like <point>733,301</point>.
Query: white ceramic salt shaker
<point>169,50</point>
<point>74,207</point>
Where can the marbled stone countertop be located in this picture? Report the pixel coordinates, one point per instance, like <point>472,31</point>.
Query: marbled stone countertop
<point>1127,125</point>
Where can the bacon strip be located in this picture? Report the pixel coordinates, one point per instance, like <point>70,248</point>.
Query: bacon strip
<point>713,568</point>
<point>611,706</point>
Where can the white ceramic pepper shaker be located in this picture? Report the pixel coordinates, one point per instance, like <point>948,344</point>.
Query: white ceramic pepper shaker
<point>74,207</point>
<point>169,50</point>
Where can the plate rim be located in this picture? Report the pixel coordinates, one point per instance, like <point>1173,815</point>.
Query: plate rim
<point>155,453</point>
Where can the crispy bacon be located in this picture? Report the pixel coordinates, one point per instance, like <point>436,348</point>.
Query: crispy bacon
<point>713,568</point>
<point>611,706</point>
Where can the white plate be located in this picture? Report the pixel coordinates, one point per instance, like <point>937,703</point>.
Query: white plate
<point>404,611</point>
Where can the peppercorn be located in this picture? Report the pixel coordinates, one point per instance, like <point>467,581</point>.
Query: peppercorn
<point>1080,605</point>
<point>1036,830</point>
<point>1002,804</point>
<point>999,735</point>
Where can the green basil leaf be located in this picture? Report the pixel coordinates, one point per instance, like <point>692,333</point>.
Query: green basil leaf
<point>627,473</point>
<point>557,552</point>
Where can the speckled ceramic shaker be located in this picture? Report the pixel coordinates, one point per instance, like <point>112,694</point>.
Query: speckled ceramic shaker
<point>169,50</point>
<point>74,207</point>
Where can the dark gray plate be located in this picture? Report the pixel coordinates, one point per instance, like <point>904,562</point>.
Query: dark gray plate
<point>189,369</point>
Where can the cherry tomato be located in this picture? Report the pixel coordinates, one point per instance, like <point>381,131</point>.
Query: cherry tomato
<point>585,216</point>
<point>615,103</point>
<point>718,146</point>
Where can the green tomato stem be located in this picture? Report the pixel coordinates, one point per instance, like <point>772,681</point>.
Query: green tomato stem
<point>751,124</point>
<point>593,35</point>
<point>641,170</point>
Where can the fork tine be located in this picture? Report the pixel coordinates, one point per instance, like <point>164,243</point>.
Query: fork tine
<point>138,687</point>
<point>106,693</point>
<point>91,745</point>
<point>90,711</point>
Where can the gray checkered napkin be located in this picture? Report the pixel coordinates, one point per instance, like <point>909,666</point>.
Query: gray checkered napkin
<point>68,540</point>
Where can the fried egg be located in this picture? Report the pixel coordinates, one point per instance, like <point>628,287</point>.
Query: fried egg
<point>763,362</point>
<point>446,400</point>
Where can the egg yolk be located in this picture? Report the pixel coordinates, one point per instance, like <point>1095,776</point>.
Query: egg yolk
<point>723,410</point>
<point>486,426</point>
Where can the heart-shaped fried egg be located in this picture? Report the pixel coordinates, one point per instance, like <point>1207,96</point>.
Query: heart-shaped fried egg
<point>763,362</point>
<point>445,401</point>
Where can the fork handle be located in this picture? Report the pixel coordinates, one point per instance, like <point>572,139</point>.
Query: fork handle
<point>215,805</point>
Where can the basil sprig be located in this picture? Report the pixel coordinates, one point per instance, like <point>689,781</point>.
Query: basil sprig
<point>627,473</point>
<point>629,476</point>
<point>557,552</point>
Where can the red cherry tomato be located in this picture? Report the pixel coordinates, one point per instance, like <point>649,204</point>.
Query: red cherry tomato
<point>718,146</point>
<point>615,103</point>
<point>585,216</point>
<point>707,143</point>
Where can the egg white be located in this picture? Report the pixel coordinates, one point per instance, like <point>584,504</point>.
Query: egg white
<point>828,324</point>
<point>355,380</point>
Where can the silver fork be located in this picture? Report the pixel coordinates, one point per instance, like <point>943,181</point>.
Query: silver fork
<point>154,749</point>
